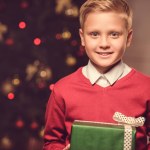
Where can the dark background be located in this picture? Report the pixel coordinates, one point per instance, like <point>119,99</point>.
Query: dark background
<point>28,69</point>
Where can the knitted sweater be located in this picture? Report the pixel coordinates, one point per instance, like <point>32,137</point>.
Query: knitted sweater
<point>74,98</point>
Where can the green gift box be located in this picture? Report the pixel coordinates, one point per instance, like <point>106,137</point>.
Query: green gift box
<point>102,136</point>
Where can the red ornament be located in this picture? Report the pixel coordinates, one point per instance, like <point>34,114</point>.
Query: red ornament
<point>24,4</point>
<point>22,25</point>
<point>41,85</point>
<point>34,125</point>
<point>81,51</point>
<point>9,41</point>
<point>58,36</point>
<point>19,123</point>
<point>37,41</point>
<point>74,43</point>
<point>11,96</point>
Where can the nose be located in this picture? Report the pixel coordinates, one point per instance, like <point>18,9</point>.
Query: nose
<point>104,43</point>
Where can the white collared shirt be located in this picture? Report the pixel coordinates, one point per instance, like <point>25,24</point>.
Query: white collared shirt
<point>107,79</point>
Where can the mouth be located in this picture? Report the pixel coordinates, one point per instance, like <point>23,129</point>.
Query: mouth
<point>104,54</point>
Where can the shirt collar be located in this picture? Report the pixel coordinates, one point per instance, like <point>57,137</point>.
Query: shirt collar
<point>112,75</point>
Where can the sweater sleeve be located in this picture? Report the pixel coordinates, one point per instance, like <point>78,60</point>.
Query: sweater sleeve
<point>55,132</point>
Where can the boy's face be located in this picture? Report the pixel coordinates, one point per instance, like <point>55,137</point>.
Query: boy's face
<point>105,38</point>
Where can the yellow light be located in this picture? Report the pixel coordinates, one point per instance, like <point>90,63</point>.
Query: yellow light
<point>73,11</point>
<point>31,70</point>
<point>46,73</point>
<point>43,74</point>
<point>66,35</point>
<point>16,81</point>
<point>7,87</point>
<point>6,143</point>
<point>61,5</point>
<point>70,60</point>
<point>41,133</point>
<point>3,29</point>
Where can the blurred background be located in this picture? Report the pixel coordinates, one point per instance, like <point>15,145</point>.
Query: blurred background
<point>39,44</point>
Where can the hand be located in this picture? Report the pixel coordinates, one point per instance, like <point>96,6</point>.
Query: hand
<point>67,147</point>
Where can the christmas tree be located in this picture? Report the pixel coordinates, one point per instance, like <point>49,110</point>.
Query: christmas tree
<point>39,44</point>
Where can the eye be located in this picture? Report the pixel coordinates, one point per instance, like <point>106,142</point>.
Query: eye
<point>115,35</point>
<point>94,34</point>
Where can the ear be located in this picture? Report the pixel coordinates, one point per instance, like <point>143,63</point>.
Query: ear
<point>81,37</point>
<point>129,37</point>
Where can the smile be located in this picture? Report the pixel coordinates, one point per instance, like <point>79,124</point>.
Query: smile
<point>104,54</point>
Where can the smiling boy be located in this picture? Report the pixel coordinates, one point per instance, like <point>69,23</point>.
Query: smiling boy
<point>105,38</point>
<point>106,84</point>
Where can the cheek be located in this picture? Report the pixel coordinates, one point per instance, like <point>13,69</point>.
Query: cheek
<point>89,48</point>
<point>90,44</point>
<point>120,45</point>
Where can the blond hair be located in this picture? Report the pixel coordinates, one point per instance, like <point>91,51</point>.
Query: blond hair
<point>119,6</point>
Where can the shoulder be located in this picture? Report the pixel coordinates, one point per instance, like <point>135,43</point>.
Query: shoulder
<point>141,77</point>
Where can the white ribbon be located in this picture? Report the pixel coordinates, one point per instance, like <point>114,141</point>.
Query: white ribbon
<point>127,137</point>
<point>136,122</point>
<point>128,122</point>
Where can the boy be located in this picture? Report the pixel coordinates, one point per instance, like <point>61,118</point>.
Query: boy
<point>106,85</point>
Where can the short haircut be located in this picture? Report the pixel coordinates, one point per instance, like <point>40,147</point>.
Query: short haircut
<point>119,6</point>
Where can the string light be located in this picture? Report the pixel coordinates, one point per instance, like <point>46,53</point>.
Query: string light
<point>19,123</point>
<point>34,125</point>
<point>61,5</point>
<point>58,36</point>
<point>72,11</point>
<point>66,35</point>
<point>40,83</point>
<point>22,25</point>
<point>16,81</point>
<point>37,41</point>
<point>70,60</point>
<point>74,43</point>
<point>7,87</point>
<point>37,74</point>
<point>3,29</point>
<point>81,51</point>
<point>45,73</point>
<point>31,70</point>
<point>11,96</point>
<point>9,41</point>
<point>6,143</point>
<point>41,133</point>
<point>24,4</point>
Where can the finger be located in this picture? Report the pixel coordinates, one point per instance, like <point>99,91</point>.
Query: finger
<point>67,147</point>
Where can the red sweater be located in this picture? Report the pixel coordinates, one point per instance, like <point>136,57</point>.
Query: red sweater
<point>74,98</point>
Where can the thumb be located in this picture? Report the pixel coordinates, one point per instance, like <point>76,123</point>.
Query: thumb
<point>67,147</point>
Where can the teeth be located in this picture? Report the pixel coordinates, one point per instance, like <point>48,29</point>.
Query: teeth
<point>104,53</point>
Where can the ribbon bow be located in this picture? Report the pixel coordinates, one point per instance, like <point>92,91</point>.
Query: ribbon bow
<point>136,122</point>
